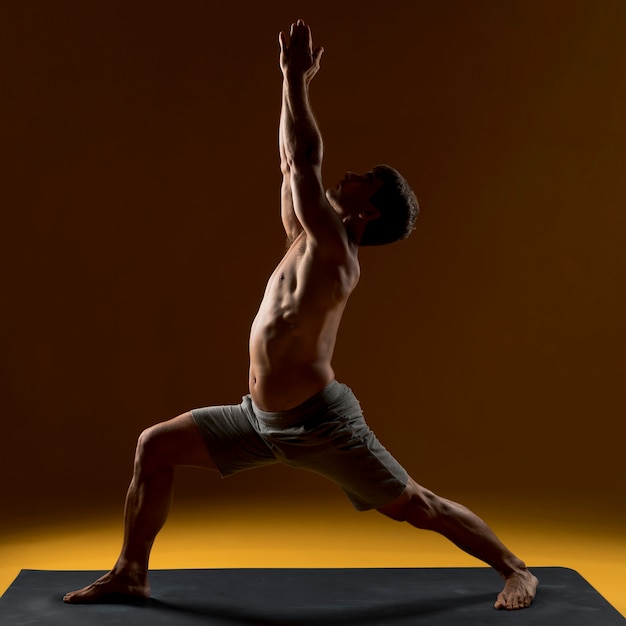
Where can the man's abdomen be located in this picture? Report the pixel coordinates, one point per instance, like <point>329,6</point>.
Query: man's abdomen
<point>282,385</point>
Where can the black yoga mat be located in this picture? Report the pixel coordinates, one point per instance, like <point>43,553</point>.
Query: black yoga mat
<point>310,597</point>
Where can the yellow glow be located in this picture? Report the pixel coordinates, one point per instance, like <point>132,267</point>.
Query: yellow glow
<point>312,535</point>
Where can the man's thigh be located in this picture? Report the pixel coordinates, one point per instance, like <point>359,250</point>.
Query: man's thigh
<point>350,455</point>
<point>232,442</point>
<point>177,442</point>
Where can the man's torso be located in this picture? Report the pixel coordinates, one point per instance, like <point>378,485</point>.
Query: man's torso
<point>293,335</point>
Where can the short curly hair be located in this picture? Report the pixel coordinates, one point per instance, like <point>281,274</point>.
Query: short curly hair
<point>398,209</point>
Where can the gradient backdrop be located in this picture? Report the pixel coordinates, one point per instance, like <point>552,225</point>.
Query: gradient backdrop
<point>140,199</point>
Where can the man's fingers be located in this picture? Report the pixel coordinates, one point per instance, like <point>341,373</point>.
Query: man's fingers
<point>300,34</point>
<point>296,34</point>
<point>293,33</point>
<point>309,38</point>
<point>299,37</point>
<point>317,55</point>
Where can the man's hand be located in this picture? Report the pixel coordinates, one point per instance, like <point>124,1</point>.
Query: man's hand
<point>298,60</point>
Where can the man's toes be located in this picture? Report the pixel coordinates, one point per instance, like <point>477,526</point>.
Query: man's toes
<point>511,603</point>
<point>71,598</point>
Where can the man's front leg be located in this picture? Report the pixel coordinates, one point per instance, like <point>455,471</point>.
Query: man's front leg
<point>159,450</point>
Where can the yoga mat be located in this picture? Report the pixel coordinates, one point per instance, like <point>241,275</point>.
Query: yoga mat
<point>310,597</point>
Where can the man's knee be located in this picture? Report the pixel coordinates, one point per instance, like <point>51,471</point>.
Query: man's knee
<point>149,453</point>
<point>416,505</point>
<point>171,443</point>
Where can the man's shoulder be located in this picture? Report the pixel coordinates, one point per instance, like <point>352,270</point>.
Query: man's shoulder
<point>338,264</point>
<point>338,250</point>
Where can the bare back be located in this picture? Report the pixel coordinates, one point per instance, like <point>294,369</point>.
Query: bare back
<point>293,335</point>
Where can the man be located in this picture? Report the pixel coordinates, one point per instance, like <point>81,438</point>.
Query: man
<point>296,412</point>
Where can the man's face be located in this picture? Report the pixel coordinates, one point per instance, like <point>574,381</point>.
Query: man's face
<point>353,192</point>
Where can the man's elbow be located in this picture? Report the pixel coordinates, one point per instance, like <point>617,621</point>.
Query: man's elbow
<point>304,159</point>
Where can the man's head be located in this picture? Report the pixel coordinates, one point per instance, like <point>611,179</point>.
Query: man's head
<point>380,206</point>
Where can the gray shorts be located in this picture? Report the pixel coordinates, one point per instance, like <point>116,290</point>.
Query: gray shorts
<point>326,434</point>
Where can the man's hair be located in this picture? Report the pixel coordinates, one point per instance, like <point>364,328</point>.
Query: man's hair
<point>398,209</point>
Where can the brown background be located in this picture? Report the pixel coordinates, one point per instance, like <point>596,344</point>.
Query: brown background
<point>140,189</point>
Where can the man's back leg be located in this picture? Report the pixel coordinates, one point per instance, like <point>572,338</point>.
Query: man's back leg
<point>424,509</point>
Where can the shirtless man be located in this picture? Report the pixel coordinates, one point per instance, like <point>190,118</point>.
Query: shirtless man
<point>296,412</point>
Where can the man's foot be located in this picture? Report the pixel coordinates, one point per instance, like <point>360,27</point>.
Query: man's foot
<point>519,591</point>
<point>111,585</point>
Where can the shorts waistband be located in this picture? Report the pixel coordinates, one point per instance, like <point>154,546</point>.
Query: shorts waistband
<point>331,395</point>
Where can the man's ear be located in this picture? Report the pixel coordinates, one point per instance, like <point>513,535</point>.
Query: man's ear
<point>369,214</point>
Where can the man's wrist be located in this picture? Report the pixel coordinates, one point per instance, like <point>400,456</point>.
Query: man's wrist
<point>295,79</point>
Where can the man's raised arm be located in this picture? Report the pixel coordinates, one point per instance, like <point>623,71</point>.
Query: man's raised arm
<point>299,64</point>
<point>300,139</point>
<point>291,223</point>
